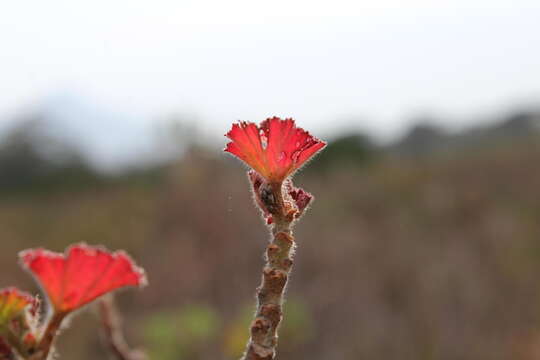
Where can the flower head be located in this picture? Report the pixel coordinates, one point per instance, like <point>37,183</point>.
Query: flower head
<point>275,149</point>
<point>300,197</point>
<point>13,303</point>
<point>81,275</point>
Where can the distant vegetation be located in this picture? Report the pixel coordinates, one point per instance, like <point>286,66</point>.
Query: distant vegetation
<point>416,259</point>
<point>33,160</point>
<point>30,160</point>
<point>354,150</point>
<point>426,138</point>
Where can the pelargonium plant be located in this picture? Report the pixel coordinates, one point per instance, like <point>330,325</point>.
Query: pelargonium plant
<point>70,281</point>
<point>274,150</point>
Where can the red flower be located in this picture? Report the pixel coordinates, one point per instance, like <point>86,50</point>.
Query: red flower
<point>81,275</point>
<point>275,149</point>
<point>13,302</point>
<point>300,197</point>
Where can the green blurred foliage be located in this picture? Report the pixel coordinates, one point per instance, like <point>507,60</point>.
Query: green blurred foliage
<point>351,150</point>
<point>180,333</point>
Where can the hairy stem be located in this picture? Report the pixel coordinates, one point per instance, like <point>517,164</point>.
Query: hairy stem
<point>112,326</point>
<point>47,341</point>
<point>270,294</point>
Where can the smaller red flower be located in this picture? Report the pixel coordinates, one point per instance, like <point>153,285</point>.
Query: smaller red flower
<point>13,302</point>
<point>275,149</point>
<point>300,197</point>
<point>81,275</point>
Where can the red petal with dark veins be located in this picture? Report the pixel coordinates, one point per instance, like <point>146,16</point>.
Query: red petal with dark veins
<point>275,149</point>
<point>81,275</point>
<point>247,145</point>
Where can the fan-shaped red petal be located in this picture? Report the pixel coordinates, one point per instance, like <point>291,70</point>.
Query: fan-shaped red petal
<point>81,275</point>
<point>275,149</point>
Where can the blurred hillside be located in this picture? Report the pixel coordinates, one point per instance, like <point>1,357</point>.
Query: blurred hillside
<point>424,249</point>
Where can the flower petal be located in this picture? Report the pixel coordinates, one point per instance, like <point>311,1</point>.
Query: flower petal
<point>81,275</point>
<point>12,303</point>
<point>247,145</point>
<point>275,149</point>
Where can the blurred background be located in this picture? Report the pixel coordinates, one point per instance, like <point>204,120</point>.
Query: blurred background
<point>424,239</point>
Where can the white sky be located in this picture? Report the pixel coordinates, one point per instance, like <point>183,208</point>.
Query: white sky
<point>322,62</point>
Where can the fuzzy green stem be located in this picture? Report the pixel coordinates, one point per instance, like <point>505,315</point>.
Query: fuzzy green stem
<point>270,294</point>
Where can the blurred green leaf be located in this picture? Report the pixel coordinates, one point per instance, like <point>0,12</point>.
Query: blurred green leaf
<point>180,332</point>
